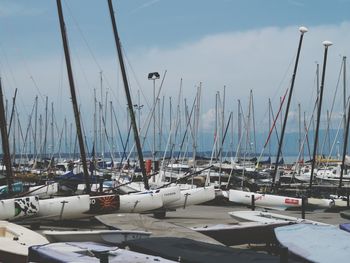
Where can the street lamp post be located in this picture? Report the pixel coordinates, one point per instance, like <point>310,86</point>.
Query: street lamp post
<point>153,76</point>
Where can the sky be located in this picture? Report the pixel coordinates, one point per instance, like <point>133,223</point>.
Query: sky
<point>241,45</point>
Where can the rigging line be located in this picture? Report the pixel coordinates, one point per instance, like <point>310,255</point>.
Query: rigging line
<point>90,51</point>
<point>337,134</point>
<point>28,128</point>
<point>14,83</point>
<point>272,127</point>
<point>313,91</point>
<point>280,85</point>
<point>82,34</point>
<point>77,57</point>
<point>106,134</point>
<point>118,128</point>
<point>275,128</point>
<point>305,139</point>
<point>29,73</point>
<point>332,107</point>
<point>22,59</point>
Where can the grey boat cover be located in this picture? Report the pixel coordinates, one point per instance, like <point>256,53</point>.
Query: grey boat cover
<point>190,251</point>
<point>158,227</point>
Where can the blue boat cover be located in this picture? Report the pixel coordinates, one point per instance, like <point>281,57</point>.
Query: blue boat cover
<point>345,226</point>
<point>66,252</point>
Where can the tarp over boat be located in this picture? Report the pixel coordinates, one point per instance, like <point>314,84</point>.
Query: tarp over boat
<point>315,243</point>
<point>86,252</point>
<point>191,251</point>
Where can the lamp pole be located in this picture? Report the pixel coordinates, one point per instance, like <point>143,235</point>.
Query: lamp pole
<point>153,76</point>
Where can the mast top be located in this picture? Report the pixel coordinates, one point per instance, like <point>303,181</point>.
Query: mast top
<point>303,29</point>
<point>327,43</point>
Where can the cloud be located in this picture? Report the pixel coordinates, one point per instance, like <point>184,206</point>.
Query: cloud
<point>208,120</point>
<point>260,59</point>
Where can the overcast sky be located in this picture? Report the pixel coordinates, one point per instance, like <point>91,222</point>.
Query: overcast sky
<point>241,44</point>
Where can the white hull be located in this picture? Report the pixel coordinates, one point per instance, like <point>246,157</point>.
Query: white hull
<point>11,209</point>
<point>168,194</point>
<point>193,196</point>
<point>140,202</point>
<point>321,203</point>
<point>61,208</point>
<point>264,200</point>
<point>7,209</point>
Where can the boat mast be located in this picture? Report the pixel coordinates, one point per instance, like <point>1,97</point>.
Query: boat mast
<point>344,90</point>
<point>302,30</point>
<point>52,133</point>
<point>326,45</point>
<point>269,128</point>
<point>35,129</point>
<point>299,124</point>
<point>346,126</point>
<point>74,99</point>
<point>238,154</point>
<point>128,97</point>
<point>5,143</point>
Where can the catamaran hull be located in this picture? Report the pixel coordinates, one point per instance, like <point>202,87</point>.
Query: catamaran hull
<point>140,202</point>
<point>61,208</point>
<point>264,200</point>
<point>15,208</point>
<point>193,196</point>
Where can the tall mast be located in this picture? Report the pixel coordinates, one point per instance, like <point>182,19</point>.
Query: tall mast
<point>239,127</point>
<point>13,136</point>
<point>344,90</point>
<point>299,124</point>
<point>302,30</point>
<point>269,127</point>
<point>52,131</point>
<point>5,143</point>
<point>41,135</point>
<point>346,127</point>
<point>35,127</point>
<point>95,122</point>
<point>216,124</point>
<point>253,114</point>
<point>74,99</point>
<point>101,116</point>
<point>112,132</point>
<point>326,45</point>
<point>45,131</point>
<point>128,97</point>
